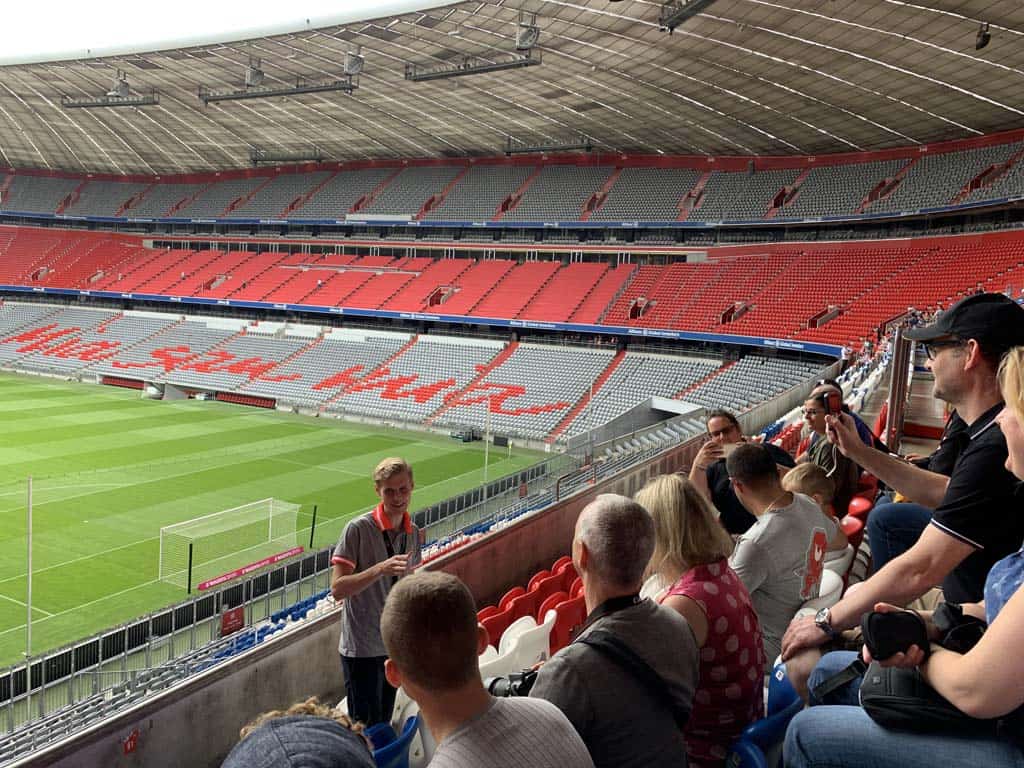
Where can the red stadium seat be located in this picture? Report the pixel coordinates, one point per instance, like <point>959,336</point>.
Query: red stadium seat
<point>552,602</point>
<point>509,596</point>
<point>859,507</point>
<point>536,579</point>
<point>496,625</point>
<point>577,587</point>
<point>570,615</point>
<point>561,563</point>
<point>549,586</point>
<point>853,527</point>
<point>523,605</point>
<point>484,613</point>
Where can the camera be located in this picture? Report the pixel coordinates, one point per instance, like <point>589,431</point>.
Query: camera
<point>516,684</point>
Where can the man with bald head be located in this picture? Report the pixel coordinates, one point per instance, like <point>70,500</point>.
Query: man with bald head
<point>627,682</point>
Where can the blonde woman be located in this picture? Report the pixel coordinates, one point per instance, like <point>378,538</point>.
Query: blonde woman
<point>691,554</point>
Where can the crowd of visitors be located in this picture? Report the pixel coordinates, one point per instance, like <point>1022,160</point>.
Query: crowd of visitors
<point>739,546</point>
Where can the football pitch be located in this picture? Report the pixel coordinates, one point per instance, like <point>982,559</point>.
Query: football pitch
<point>109,469</point>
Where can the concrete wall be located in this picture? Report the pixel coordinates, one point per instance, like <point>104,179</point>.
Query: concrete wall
<point>197,723</point>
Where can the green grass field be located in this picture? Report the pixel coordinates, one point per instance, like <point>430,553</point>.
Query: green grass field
<point>109,469</point>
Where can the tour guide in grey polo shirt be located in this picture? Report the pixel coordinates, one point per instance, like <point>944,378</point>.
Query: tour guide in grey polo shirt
<point>374,551</point>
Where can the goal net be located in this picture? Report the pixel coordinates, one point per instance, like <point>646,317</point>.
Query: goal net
<point>225,540</point>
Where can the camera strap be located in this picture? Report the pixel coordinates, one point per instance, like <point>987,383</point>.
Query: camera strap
<point>615,649</point>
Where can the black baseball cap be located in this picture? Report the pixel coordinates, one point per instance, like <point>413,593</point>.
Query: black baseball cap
<point>992,319</point>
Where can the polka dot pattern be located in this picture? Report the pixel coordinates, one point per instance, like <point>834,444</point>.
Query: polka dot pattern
<point>729,695</point>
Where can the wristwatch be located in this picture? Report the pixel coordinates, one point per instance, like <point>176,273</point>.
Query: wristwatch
<point>823,621</point>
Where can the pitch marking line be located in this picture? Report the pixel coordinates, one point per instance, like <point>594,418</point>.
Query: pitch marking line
<point>25,605</point>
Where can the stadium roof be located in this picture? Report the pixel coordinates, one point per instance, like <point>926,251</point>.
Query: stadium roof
<point>744,77</point>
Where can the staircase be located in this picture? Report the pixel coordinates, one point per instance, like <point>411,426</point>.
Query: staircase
<point>436,199</point>
<point>305,197</point>
<point>240,201</point>
<point>383,368</point>
<point>987,177</point>
<point>134,200</point>
<point>264,376</point>
<point>583,401</point>
<point>186,201</point>
<point>682,393</point>
<point>786,195</point>
<point>497,361</point>
<point>510,202</point>
<point>692,198</point>
<point>885,187</point>
<point>367,199</point>
<point>597,199</point>
<point>71,199</point>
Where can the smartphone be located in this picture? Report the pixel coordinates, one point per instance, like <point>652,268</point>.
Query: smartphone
<point>833,403</point>
<point>728,448</point>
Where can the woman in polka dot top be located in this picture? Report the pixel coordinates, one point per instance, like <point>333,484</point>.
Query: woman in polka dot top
<point>691,556</point>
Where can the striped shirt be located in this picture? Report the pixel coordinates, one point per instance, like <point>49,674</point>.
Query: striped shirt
<point>514,733</point>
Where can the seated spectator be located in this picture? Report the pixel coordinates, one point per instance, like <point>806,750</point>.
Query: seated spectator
<point>627,682</point>
<point>306,735</point>
<point>691,553</point>
<point>823,452</point>
<point>811,480</point>
<point>985,682</point>
<point>709,476</point>
<point>780,559</point>
<point>971,528</point>
<point>824,386</point>
<point>430,630</point>
<point>895,525</point>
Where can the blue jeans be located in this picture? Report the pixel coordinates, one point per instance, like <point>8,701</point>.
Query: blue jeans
<point>893,529</point>
<point>832,664</point>
<point>845,737</point>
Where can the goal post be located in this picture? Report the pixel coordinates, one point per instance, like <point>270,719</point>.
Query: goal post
<point>208,546</point>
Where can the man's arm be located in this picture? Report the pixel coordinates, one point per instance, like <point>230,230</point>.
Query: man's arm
<point>903,579</point>
<point>749,564</point>
<point>345,582</point>
<point>708,454</point>
<point>919,485</point>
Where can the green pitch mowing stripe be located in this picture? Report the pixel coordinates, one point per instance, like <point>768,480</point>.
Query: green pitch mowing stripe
<point>110,469</point>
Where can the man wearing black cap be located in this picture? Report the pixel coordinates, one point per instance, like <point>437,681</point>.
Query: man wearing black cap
<point>975,522</point>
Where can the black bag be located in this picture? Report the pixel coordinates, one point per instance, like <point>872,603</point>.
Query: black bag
<point>900,698</point>
<point>886,634</point>
<point>960,631</point>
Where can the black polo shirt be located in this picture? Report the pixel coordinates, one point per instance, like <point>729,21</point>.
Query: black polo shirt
<point>732,513</point>
<point>954,439</point>
<point>978,509</point>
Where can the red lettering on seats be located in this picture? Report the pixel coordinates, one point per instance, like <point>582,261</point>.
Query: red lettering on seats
<point>165,357</point>
<point>345,378</point>
<point>39,337</point>
<point>496,396</point>
<point>392,386</point>
<point>87,351</point>
<point>214,358</point>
